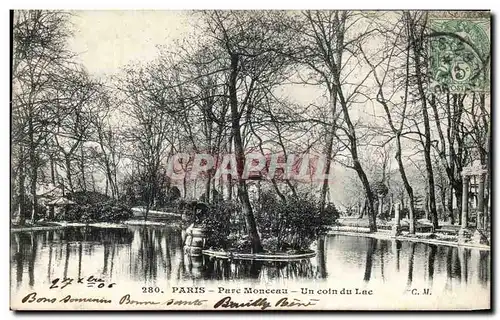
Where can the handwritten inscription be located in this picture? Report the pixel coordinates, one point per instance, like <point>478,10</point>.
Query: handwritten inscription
<point>262,303</point>
<point>227,302</point>
<point>126,299</point>
<point>33,298</point>
<point>91,282</point>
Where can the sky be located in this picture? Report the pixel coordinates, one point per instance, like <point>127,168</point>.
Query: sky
<point>108,40</point>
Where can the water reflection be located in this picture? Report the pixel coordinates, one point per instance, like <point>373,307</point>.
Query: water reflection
<point>320,254</point>
<point>372,245</point>
<point>432,259</point>
<point>154,256</point>
<point>396,247</point>
<point>411,259</point>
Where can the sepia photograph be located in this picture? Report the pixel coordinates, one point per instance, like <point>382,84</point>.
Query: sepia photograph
<point>250,160</point>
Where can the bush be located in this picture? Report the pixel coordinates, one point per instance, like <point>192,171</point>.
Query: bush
<point>241,245</point>
<point>274,244</point>
<point>88,197</point>
<point>292,224</point>
<point>95,207</point>
<point>283,226</point>
<point>99,212</point>
<point>217,223</point>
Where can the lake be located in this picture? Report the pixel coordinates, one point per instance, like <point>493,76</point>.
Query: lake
<point>153,256</point>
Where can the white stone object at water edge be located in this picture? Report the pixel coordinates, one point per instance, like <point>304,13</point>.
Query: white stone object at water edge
<point>195,241</point>
<point>396,227</point>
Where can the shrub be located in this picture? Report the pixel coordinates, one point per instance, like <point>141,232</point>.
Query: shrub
<point>274,244</point>
<point>331,214</point>
<point>96,207</point>
<point>217,223</point>
<point>88,197</point>
<point>290,225</point>
<point>293,224</point>
<point>241,245</point>
<point>173,194</point>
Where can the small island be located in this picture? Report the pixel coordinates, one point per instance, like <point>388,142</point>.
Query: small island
<point>287,228</point>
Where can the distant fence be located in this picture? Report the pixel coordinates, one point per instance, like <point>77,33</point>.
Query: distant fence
<point>155,215</point>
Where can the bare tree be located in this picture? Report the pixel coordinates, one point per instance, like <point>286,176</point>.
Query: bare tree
<point>105,136</point>
<point>39,58</point>
<point>248,44</point>
<point>328,47</point>
<point>205,105</point>
<point>395,113</point>
<point>74,111</point>
<point>148,107</point>
<point>416,26</point>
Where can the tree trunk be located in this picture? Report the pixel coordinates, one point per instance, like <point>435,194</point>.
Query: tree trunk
<point>426,206</point>
<point>369,195</point>
<point>443,201</point>
<point>34,178</point>
<point>229,176</point>
<point>22,192</point>
<point>240,155</point>
<point>184,186</point>
<point>82,168</point>
<point>207,186</point>
<point>107,165</point>
<point>68,172</point>
<point>106,190</point>
<point>214,199</point>
<point>458,196</point>
<point>115,179</point>
<point>362,209</point>
<point>449,205</point>
<point>34,170</point>
<point>324,187</point>
<point>353,148</point>
<point>417,49</point>
<point>391,205</point>
<point>52,170</point>
<point>448,160</point>
<point>328,150</point>
<point>432,193</point>
<point>148,204</point>
<point>408,188</point>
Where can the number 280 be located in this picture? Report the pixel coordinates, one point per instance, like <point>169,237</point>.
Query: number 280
<point>151,290</point>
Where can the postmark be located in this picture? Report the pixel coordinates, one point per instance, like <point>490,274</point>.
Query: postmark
<point>459,54</point>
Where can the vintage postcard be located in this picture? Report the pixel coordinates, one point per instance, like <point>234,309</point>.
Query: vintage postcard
<point>250,160</point>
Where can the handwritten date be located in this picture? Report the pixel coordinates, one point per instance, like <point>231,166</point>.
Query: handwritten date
<point>90,281</point>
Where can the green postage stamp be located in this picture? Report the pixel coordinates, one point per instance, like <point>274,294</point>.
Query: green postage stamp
<point>460,54</point>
